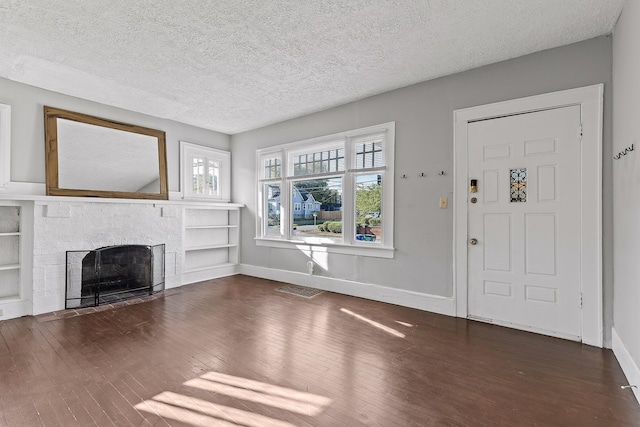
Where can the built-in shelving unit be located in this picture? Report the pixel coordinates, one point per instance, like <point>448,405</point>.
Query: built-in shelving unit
<point>211,239</point>
<point>10,236</point>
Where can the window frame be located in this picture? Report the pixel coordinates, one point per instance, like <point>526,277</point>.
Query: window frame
<point>190,150</point>
<point>348,244</point>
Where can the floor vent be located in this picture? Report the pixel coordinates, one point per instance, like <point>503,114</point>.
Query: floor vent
<point>301,291</point>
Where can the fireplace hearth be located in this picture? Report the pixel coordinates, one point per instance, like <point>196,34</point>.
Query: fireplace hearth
<point>113,273</point>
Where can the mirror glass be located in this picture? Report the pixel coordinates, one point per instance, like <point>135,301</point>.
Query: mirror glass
<point>97,158</point>
<point>89,156</point>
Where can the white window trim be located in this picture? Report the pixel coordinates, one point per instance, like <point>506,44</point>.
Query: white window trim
<point>5,145</point>
<point>349,245</point>
<point>187,151</point>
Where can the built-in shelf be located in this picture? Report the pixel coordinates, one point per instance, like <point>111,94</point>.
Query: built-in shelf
<point>211,239</point>
<point>10,246</point>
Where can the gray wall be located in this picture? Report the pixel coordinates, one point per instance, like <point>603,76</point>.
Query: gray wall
<point>424,133</point>
<point>626,177</point>
<point>27,129</point>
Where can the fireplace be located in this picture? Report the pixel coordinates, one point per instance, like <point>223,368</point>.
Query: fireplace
<point>113,273</point>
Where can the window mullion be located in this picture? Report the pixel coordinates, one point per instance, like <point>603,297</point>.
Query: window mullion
<point>287,224</point>
<point>348,195</point>
<point>315,176</point>
<point>365,171</point>
<point>286,210</point>
<point>206,188</point>
<point>348,209</point>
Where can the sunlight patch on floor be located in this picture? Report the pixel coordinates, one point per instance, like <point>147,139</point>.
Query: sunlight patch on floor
<point>200,412</point>
<point>267,388</point>
<point>292,405</point>
<point>408,325</point>
<point>204,413</point>
<point>374,323</point>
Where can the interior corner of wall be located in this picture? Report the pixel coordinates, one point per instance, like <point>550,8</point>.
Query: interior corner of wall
<point>627,363</point>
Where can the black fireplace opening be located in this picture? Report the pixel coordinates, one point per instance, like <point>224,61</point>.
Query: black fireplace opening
<point>113,273</point>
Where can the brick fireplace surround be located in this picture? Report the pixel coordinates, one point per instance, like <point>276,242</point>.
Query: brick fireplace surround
<point>72,225</point>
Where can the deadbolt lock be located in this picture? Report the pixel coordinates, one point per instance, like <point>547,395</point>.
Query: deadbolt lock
<point>474,199</point>
<point>473,186</point>
<point>473,241</point>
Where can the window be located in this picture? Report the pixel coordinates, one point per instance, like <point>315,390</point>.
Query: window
<point>334,191</point>
<point>272,211</point>
<point>272,168</point>
<point>328,192</point>
<point>205,172</point>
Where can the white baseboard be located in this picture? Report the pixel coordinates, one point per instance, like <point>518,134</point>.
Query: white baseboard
<point>628,365</point>
<point>432,303</point>
<point>15,308</point>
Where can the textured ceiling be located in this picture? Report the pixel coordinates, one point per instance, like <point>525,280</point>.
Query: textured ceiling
<point>237,65</point>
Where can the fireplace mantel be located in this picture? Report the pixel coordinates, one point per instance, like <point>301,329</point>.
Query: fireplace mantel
<point>172,201</point>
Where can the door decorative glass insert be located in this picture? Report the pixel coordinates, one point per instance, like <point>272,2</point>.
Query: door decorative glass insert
<point>518,179</point>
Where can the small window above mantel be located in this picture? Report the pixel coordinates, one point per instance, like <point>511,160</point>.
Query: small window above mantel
<point>205,173</point>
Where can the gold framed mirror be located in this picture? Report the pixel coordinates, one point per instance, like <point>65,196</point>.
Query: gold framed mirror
<point>88,156</point>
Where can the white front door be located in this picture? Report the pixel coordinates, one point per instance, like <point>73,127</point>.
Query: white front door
<point>524,264</point>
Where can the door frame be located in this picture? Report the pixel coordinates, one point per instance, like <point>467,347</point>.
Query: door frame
<point>590,100</point>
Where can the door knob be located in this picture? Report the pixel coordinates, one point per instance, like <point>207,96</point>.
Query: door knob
<point>473,241</point>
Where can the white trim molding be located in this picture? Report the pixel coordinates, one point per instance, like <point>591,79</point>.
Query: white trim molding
<point>420,301</point>
<point>590,100</point>
<point>5,145</point>
<point>628,365</point>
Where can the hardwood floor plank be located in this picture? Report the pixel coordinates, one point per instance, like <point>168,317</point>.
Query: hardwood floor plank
<point>79,412</point>
<point>93,408</point>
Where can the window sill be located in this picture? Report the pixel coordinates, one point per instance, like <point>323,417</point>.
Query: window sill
<point>336,248</point>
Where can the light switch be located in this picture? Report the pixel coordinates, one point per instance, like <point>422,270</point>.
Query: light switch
<point>443,203</point>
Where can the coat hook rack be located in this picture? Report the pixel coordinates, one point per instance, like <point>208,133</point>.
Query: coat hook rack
<point>623,152</point>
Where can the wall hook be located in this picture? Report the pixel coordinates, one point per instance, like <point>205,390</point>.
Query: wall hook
<point>403,176</point>
<point>623,153</point>
<point>442,173</point>
<point>422,175</point>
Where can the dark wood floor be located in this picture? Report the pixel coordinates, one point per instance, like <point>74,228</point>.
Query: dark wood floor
<point>234,352</point>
